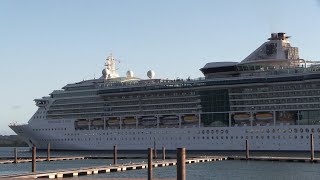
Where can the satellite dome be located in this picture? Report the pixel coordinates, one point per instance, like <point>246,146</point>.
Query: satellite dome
<point>129,74</point>
<point>151,74</point>
<point>104,72</point>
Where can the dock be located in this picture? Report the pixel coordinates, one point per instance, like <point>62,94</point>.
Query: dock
<point>110,168</point>
<point>270,158</point>
<point>41,159</point>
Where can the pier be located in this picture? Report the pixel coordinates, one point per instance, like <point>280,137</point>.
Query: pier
<point>41,159</point>
<point>280,159</point>
<point>110,168</point>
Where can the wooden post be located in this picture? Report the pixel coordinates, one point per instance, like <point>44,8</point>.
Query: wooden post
<point>155,150</point>
<point>181,164</point>
<point>48,152</point>
<point>163,153</point>
<point>312,147</point>
<point>149,163</point>
<point>15,155</point>
<point>34,156</point>
<point>115,154</point>
<point>247,149</point>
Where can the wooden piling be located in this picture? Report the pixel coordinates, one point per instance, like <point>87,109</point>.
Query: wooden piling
<point>149,163</point>
<point>247,149</point>
<point>155,150</point>
<point>34,156</point>
<point>163,153</point>
<point>181,164</point>
<point>15,155</point>
<point>48,152</point>
<point>312,147</point>
<point>115,154</point>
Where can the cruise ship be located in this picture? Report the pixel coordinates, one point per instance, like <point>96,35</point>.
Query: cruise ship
<point>271,98</point>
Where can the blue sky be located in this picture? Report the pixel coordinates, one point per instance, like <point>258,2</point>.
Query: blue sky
<point>47,44</point>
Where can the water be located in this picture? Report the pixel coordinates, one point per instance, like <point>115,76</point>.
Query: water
<point>201,171</point>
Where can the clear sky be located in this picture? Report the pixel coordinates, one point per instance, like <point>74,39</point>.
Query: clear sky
<point>46,44</point>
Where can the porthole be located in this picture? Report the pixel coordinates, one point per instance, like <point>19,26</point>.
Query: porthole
<point>208,131</point>
<point>307,130</point>
<point>273,130</point>
<point>227,131</point>
<point>295,130</point>
<point>268,130</point>
<point>221,131</point>
<point>312,130</point>
<point>301,130</point>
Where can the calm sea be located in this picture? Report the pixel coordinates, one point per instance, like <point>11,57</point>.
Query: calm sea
<point>205,171</point>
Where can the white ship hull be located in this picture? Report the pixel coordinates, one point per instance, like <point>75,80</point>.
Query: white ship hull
<point>273,138</point>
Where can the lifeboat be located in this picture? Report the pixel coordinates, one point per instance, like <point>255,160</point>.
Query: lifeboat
<point>190,119</point>
<point>129,121</point>
<point>241,117</point>
<point>113,122</point>
<point>98,122</point>
<point>264,116</point>
<point>170,120</point>
<point>82,122</point>
<point>149,121</point>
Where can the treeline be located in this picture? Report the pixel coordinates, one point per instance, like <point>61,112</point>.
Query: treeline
<point>12,141</point>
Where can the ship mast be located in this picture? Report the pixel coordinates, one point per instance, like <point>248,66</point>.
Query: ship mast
<point>110,70</point>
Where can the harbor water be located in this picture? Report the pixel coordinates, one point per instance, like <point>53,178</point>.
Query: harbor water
<point>232,169</point>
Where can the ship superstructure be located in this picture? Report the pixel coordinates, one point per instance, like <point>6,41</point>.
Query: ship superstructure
<point>271,98</point>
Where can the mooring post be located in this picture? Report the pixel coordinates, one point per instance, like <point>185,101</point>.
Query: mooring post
<point>48,152</point>
<point>155,150</point>
<point>181,164</point>
<point>115,154</point>
<point>15,155</point>
<point>34,156</point>
<point>312,147</point>
<point>149,163</point>
<point>247,149</point>
<point>163,153</point>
